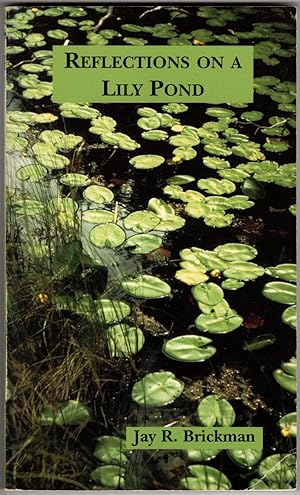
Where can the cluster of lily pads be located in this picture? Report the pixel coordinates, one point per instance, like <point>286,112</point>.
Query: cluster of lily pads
<point>232,147</point>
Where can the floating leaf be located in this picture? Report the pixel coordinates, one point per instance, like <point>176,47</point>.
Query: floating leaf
<point>75,180</point>
<point>231,284</point>
<point>124,340</point>
<point>180,179</point>
<point>253,116</point>
<point>97,216</point>
<point>259,342</point>
<point>57,34</point>
<point>279,469</point>
<point>202,477</point>
<point>143,243</point>
<point>243,270</point>
<point>289,316</point>
<point>288,423</point>
<point>110,450</point>
<point>141,221</point>
<point>184,152</point>
<point>215,163</point>
<point>184,140</point>
<point>170,222</point>
<point>73,412</point>
<point>216,186</point>
<point>146,287</point>
<point>236,251</point>
<point>155,135</point>
<point>219,112</point>
<point>32,173</point>
<point>146,161</point>
<point>217,324</point>
<point>109,476</point>
<point>245,458</point>
<point>108,235</point>
<point>191,276</point>
<point>281,292</point>
<point>285,271</point>
<point>286,376</point>
<point>175,108</point>
<point>148,123</point>
<point>157,389</point>
<point>111,310</point>
<point>215,411</point>
<point>189,348</point>
<point>208,293</point>
<point>98,194</point>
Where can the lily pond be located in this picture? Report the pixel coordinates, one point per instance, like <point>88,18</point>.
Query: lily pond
<point>150,259</point>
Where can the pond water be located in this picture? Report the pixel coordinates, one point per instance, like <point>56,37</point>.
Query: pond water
<point>99,294</point>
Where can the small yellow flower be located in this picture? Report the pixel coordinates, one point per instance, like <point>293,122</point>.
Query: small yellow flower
<point>215,273</point>
<point>285,432</point>
<point>176,159</point>
<point>43,297</point>
<point>34,9</point>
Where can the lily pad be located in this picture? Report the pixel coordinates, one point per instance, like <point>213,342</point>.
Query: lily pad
<point>259,342</point>
<point>75,180</point>
<point>107,235</point>
<point>184,140</point>
<point>282,292</point>
<point>180,179</point>
<point>236,251</point>
<point>97,216</point>
<point>157,389</point>
<point>203,477</point>
<point>285,271</point>
<point>146,287</point>
<point>110,450</point>
<point>109,476</point>
<point>148,123</point>
<point>286,376</point>
<point>215,411</point>
<point>98,194</point>
<point>216,186</point>
<point>32,173</point>
<point>218,324</point>
<point>189,348</point>
<point>141,221</point>
<point>146,161</point>
<point>111,310</point>
<point>143,243</point>
<point>279,469</point>
<point>288,423</point>
<point>245,458</point>
<point>124,340</point>
<point>289,316</point>
<point>243,270</point>
<point>208,293</point>
<point>155,135</point>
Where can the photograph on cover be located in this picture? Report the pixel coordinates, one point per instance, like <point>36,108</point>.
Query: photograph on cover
<point>150,247</point>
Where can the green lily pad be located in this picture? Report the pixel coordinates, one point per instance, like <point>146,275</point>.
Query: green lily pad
<point>75,180</point>
<point>185,152</point>
<point>107,235</point>
<point>180,179</point>
<point>191,276</point>
<point>111,310</point>
<point>243,270</point>
<point>249,150</point>
<point>184,140</point>
<point>216,186</point>
<point>110,450</point>
<point>293,209</point>
<point>146,161</point>
<point>203,477</point>
<point>282,292</point>
<point>175,108</point>
<point>215,147</point>
<point>276,146</point>
<point>109,476</point>
<point>234,175</point>
<point>29,207</point>
<point>78,111</point>
<point>207,258</point>
<point>170,222</point>
<point>146,287</point>
<point>57,34</point>
<point>155,135</point>
<point>279,469</point>
<point>189,348</point>
<point>259,342</point>
<point>236,251</point>
<point>245,458</point>
<point>73,412</point>
<point>202,454</point>
<point>253,116</point>
<point>141,221</point>
<point>157,389</point>
<point>208,293</point>
<point>288,422</point>
<point>97,216</point>
<point>33,68</point>
<point>232,284</point>
<point>148,123</point>
<point>239,202</point>
<point>218,324</point>
<point>102,125</point>
<point>219,112</point>
<point>289,316</point>
<point>98,194</point>
<point>124,340</point>
<point>215,411</point>
<point>215,162</point>
<point>286,376</point>
<point>143,243</point>
<point>285,271</point>
<point>160,208</point>
<point>147,112</point>
<point>32,173</point>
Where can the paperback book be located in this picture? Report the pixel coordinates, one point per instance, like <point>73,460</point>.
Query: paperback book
<point>151,254</point>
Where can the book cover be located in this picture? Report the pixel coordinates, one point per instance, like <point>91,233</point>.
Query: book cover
<point>151,276</point>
